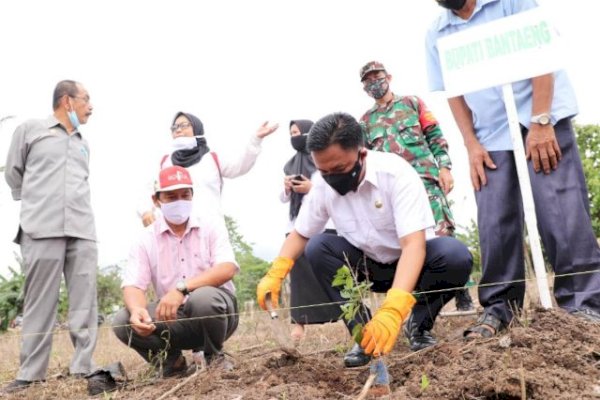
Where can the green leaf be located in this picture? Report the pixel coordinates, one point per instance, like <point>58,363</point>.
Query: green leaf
<point>341,276</point>
<point>349,282</point>
<point>357,333</point>
<point>338,281</point>
<point>424,382</point>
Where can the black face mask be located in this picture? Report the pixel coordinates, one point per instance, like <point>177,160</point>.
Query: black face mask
<point>299,142</point>
<point>346,181</point>
<point>454,5</point>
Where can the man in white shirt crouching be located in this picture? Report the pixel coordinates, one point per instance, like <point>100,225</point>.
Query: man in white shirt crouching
<point>385,233</point>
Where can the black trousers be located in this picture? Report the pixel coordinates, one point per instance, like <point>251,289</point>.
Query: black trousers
<point>562,210</point>
<point>447,265</point>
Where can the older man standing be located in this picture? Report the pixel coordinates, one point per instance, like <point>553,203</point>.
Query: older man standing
<point>47,169</point>
<point>545,105</point>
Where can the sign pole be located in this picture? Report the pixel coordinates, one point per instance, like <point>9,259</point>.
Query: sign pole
<point>526,195</point>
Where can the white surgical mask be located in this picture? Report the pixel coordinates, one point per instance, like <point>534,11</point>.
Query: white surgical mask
<point>176,212</point>
<point>184,143</point>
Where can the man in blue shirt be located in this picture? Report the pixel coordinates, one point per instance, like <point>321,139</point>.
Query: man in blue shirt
<point>545,106</point>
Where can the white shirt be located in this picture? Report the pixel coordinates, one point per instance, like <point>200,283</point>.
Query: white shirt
<point>389,204</point>
<point>207,179</point>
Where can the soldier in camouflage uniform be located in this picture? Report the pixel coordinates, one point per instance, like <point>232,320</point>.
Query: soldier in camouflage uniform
<point>405,126</point>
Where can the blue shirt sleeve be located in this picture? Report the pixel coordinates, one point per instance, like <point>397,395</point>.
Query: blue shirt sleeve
<point>434,71</point>
<point>517,6</point>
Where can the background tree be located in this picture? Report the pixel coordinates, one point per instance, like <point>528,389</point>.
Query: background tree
<point>11,297</point>
<point>469,235</point>
<point>252,268</point>
<point>108,287</point>
<point>11,294</point>
<point>588,140</point>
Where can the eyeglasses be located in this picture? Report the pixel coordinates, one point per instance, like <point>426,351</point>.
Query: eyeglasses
<point>182,125</point>
<point>84,99</point>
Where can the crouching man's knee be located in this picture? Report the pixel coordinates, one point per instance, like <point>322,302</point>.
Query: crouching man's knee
<point>120,325</point>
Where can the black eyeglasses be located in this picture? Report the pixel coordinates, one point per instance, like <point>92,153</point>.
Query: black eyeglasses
<point>84,99</point>
<point>182,125</point>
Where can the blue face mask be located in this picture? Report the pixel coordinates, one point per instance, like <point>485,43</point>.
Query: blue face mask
<point>73,118</point>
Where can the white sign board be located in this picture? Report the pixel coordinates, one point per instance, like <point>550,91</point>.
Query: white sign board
<point>503,51</point>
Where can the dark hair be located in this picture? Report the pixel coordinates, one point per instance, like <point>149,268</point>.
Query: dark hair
<point>337,128</point>
<point>66,87</point>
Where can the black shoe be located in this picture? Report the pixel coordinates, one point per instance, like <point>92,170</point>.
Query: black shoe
<point>106,379</point>
<point>463,300</point>
<point>588,314</point>
<point>16,386</point>
<point>356,357</point>
<point>417,338</point>
<point>176,366</point>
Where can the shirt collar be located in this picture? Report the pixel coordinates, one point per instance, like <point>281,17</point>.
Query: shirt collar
<point>52,122</point>
<point>370,173</point>
<point>387,106</point>
<point>447,17</point>
<point>193,223</point>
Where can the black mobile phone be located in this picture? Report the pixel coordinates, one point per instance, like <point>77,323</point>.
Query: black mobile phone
<point>297,178</point>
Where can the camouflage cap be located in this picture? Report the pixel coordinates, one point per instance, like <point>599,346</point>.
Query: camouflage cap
<point>370,67</point>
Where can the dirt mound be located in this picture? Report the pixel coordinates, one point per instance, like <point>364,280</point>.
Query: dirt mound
<point>552,355</point>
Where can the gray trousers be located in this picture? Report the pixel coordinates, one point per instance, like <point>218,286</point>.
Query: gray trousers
<point>208,334</point>
<point>562,210</point>
<point>44,263</point>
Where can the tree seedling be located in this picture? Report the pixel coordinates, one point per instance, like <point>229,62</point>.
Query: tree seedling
<point>355,292</point>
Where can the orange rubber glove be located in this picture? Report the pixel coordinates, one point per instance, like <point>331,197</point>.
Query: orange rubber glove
<point>271,282</point>
<point>380,334</point>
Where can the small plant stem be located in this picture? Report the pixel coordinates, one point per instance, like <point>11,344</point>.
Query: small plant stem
<point>365,390</point>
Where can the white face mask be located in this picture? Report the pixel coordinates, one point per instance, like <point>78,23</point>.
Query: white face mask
<point>184,143</point>
<point>176,212</point>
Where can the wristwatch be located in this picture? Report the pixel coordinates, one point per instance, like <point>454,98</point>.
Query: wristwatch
<point>541,119</point>
<point>182,287</point>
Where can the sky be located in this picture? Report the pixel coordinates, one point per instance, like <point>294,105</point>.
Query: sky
<point>234,64</point>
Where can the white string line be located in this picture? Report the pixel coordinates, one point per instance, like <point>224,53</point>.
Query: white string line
<point>240,314</point>
<point>62,331</point>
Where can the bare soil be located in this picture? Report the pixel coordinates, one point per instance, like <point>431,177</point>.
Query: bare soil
<point>549,355</point>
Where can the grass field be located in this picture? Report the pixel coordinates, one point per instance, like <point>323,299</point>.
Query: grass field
<point>545,355</point>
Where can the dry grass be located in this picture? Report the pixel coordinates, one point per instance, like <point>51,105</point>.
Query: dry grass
<point>553,356</point>
<point>253,340</point>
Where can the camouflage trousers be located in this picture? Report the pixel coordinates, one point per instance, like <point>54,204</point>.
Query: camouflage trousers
<point>444,221</point>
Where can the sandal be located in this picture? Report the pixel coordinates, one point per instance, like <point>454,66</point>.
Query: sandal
<point>487,326</point>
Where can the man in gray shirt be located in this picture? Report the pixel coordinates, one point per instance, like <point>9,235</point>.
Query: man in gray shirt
<point>47,169</point>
